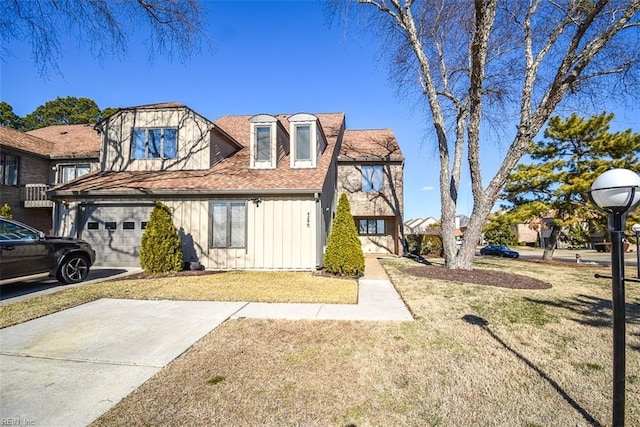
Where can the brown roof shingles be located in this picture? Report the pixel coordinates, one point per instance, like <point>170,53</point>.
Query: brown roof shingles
<point>230,175</point>
<point>370,144</point>
<point>21,141</point>
<point>70,140</point>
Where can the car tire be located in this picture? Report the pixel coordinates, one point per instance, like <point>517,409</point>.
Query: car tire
<point>74,269</point>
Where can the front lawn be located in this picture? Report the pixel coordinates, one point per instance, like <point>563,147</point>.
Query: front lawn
<point>476,355</point>
<point>302,287</point>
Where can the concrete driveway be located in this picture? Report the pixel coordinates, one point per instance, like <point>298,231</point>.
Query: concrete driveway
<point>68,368</point>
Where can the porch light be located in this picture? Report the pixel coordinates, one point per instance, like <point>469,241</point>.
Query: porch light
<point>617,192</point>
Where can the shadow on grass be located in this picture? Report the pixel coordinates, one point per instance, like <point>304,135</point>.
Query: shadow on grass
<point>592,311</point>
<point>484,325</point>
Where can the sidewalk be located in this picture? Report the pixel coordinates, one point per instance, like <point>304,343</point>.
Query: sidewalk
<point>377,300</point>
<point>70,367</point>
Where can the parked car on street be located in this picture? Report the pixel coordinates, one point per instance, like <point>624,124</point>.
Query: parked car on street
<point>499,250</point>
<point>27,253</point>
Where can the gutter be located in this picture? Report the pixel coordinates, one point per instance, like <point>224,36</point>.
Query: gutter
<point>191,192</point>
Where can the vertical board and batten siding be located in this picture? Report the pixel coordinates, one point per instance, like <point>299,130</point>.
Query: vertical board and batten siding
<point>278,238</point>
<point>193,140</point>
<point>220,149</point>
<point>191,218</point>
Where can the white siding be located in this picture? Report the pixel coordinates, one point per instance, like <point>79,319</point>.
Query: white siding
<point>193,140</point>
<point>281,233</point>
<point>278,238</point>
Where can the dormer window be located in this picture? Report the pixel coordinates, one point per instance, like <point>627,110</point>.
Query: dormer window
<point>307,140</point>
<point>302,135</point>
<point>154,143</point>
<point>263,144</point>
<point>269,142</point>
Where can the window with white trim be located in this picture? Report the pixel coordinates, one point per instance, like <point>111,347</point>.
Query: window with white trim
<point>263,144</point>
<point>228,224</point>
<point>306,140</point>
<point>154,143</point>
<point>303,142</point>
<point>372,178</point>
<point>69,172</point>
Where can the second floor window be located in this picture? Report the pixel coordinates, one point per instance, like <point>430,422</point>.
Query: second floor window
<point>69,172</point>
<point>9,166</point>
<point>263,143</point>
<point>372,178</point>
<point>303,142</point>
<point>157,143</point>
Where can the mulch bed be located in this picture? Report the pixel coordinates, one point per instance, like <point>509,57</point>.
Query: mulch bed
<point>477,277</point>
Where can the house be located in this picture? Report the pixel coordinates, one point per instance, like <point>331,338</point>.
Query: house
<point>32,162</point>
<point>370,172</point>
<point>419,225</point>
<point>246,192</point>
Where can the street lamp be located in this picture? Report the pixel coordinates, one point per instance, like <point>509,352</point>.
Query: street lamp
<point>617,192</point>
<point>636,229</point>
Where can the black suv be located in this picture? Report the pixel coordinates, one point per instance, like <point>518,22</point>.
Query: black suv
<point>28,254</point>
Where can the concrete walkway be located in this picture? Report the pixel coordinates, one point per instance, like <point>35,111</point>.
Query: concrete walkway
<point>68,368</point>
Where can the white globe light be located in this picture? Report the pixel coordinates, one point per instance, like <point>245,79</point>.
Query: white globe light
<point>613,190</point>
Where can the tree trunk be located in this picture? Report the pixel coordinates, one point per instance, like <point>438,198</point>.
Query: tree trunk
<point>464,259</point>
<point>550,247</point>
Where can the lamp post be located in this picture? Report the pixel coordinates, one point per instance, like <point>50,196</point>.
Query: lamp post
<point>617,192</point>
<point>636,229</point>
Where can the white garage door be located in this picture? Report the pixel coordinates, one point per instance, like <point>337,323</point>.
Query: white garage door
<point>115,232</point>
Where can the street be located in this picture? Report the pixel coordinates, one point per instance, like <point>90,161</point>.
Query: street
<point>569,255</point>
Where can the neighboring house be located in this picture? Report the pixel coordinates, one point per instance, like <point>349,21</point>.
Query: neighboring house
<point>419,225</point>
<point>370,172</point>
<point>246,192</point>
<point>32,162</point>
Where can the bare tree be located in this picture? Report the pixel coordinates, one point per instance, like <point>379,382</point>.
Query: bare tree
<point>175,27</point>
<point>518,59</point>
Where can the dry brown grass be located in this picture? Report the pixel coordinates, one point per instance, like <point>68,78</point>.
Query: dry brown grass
<point>477,355</point>
<point>232,286</point>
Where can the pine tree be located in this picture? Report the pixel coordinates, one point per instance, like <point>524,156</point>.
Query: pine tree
<point>564,165</point>
<point>160,251</point>
<point>344,251</point>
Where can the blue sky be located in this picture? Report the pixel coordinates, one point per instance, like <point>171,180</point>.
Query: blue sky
<point>268,57</point>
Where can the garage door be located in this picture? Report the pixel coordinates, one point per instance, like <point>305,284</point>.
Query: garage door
<point>115,232</point>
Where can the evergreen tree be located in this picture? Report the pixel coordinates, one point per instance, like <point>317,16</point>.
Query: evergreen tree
<point>499,229</point>
<point>160,251</point>
<point>62,111</point>
<point>344,251</point>
<point>7,117</point>
<point>564,165</point>
<point>5,211</point>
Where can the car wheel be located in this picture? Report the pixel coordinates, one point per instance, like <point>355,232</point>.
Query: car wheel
<point>74,269</point>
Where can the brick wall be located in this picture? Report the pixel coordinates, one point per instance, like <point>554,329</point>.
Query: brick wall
<point>31,170</point>
<point>388,202</point>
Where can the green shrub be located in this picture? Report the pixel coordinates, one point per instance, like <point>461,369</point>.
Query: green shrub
<point>425,244</point>
<point>344,251</point>
<point>5,211</point>
<point>160,251</point>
